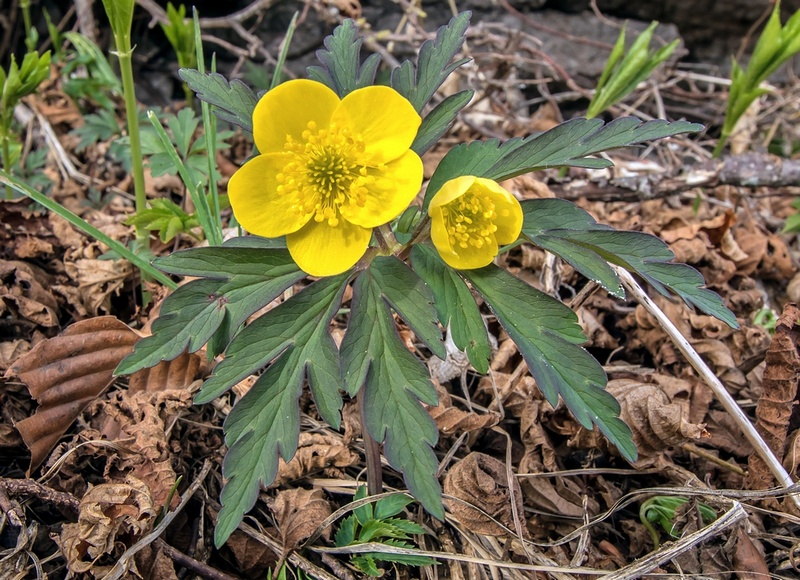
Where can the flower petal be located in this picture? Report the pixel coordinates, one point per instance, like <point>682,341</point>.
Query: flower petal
<point>253,193</point>
<point>322,250</point>
<point>509,211</point>
<point>451,190</point>
<point>394,188</point>
<point>287,109</point>
<point>385,120</point>
<point>454,256</point>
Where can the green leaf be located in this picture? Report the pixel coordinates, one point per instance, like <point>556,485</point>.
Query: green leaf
<point>164,216</point>
<point>234,101</point>
<point>346,534</point>
<point>411,298</point>
<point>391,506</point>
<point>401,558</point>
<point>238,283</point>
<point>564,229</point>
<point>439,120</point>
<point>569,143</point>
<point>265,424</point>
<point>120,15</point>
<point>792,224</point>
<point>547,334</point>
<point>366,564</point>
<point>419,83</point>
<point>96,127</point>
<point>394,382</point>
<point>363,513</point>
<point>341,68</point>
<point>455,305</point>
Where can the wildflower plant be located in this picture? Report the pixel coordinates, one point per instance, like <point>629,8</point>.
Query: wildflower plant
<point>330,194</point>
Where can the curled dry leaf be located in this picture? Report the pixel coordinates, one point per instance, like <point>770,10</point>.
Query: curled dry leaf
<point>23,290</point>
<point>656,422</point>
<point>451,420</point>
<point>315,453</point>
<point>111,517</point>
<point>298,513</point>
<point>480,480</point>
<point>98,280</point>
<point>780,386</point>
<point>66,373</point>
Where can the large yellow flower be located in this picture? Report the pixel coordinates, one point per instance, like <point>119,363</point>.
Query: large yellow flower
<point>470,217</point>
<point>329,171</point>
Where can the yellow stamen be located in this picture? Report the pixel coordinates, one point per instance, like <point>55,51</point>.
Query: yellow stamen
<point>470,220</point>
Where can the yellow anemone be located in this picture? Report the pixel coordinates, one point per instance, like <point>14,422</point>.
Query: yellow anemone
<point>470,217</point>
<point>329,170</point>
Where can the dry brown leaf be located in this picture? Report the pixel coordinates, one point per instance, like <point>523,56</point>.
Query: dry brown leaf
<point>98,280</point>
<point>167,375</point>
<point>780,389</point>
<point>656,422</point>
<point>298,513</point>
<point>480,480</point>
<point>451,420</point>
<point>11,351</point>
<point>748,561</point>
<point>315,452</point>
<point>111,517</point>
<point>252,557</point>
<point>23,289</point>
<point>66,373</point>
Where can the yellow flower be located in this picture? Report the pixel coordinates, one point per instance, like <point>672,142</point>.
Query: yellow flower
<point>329,171</point>
<point>470,217</point>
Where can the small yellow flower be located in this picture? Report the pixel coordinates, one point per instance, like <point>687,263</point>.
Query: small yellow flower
<point>470,217</point>
<point>329,171</point>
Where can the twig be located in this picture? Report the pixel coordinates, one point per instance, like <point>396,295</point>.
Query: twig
<point>758,443</point>
<point>671,550</point>
<point>65,502</point>
<point>200,568</point>
<point>121,567</point>
<point>689,447</point>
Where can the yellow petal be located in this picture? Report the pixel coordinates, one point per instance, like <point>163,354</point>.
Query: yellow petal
<point>253,193</point>
<point>322,250</point>
<point>509,211</point>
<point>287,109</point>
<point>394,188</point>
<point>454,256</point>
<point>386,121</point>
<point>451,190</point>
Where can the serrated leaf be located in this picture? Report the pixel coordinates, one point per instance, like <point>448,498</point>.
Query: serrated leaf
<point>394,382</point>
<point>571,233</point>
<point>569,143</point>
<point>455,305</point>
<point>342,70</point>
<point>419,83</point>
<point>547,334</point>
<point>391,506</point>
<point>234,101</point>
<point>439,120</point>
<point>411,298</point>
<point>239,282</point>
<point>346,534</point>
<point>407,559</point>
<point>406,527</point>
<point>265,424</point>
<point>366,563</point>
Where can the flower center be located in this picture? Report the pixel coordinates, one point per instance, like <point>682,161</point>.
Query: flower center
<point>325,171</point>
<point>470,220</point>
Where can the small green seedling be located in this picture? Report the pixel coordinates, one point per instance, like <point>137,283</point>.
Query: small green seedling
<point>377,523</point>
<point>624,71</point>
<point>661,510</point>
<point>775,46</point>
<point>167,218</point>
<point>180,33</point>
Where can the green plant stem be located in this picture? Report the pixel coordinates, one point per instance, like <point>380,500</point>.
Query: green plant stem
<point>87,228</point>
<point>372,451</point>
<point>132,115</point>
<point>6,163</point>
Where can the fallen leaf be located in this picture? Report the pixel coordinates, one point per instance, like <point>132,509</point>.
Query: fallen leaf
<point>480,480</point>
<point>23,289</point>
<point>111,516</point>
<point>779,394</point>
<point>748,560</point>
<point>98,280</point>
<point>315,452</point>
<point>298,513</point>
<point>66,373</point>
<point>451,420</point>
<point>10,351</point>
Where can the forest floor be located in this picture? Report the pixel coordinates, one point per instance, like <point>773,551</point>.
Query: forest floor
<point>88,461</point>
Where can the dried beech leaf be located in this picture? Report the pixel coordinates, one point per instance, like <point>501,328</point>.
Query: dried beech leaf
<point>780,385</point>
<point>657,423</point>
<point>451,420</point>
<point>251,556</point>
<point>480,480</point>
<point>178,373</point>
<point>298,513</point>
<point>10,351</point>
<point>66,373</point>
<point>23,289</point>
<point>315,453</point>
<point>111,516</point>
<point>748,560</point>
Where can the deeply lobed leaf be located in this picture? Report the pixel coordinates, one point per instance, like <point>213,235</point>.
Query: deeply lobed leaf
<point>340,67</point>
<point>234,101</point>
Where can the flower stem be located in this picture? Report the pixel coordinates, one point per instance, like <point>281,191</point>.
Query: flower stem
<point>372,451</point>
<point>129,91</point>
<point>7,163</point>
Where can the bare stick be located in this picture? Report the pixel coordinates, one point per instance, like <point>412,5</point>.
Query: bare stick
<point>758,443</point>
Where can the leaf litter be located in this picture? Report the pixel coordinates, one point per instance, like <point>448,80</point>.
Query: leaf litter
<point>118,446</point>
